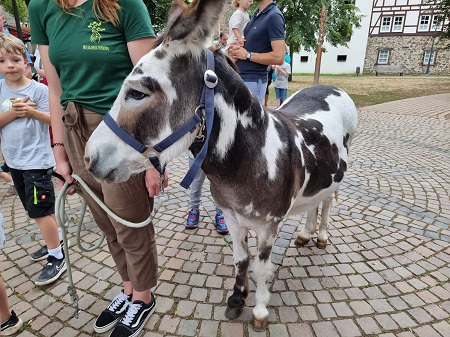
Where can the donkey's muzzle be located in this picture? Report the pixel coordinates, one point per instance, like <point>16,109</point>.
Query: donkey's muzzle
<point>98,168</point>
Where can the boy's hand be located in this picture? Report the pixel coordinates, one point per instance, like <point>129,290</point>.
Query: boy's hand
<point>24,109</point>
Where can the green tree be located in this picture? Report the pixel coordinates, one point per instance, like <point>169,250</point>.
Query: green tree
<point>21,6</point>
<point>443,6</point>
<point>302,22</point>
<point>159,11</point>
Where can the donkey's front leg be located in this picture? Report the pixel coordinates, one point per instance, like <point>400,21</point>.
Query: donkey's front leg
<point>236,302</point>
<point>304,236</point>
<point>322,235</point>
<point>263,271</point>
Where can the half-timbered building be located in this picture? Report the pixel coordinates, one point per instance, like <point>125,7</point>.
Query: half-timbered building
<point>403,33</point>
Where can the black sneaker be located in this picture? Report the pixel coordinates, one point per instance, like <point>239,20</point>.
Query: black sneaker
<point>52,271</point>
<point>137,315</point>
<point>12,325</point>
<point>109,318</point>
<point>42,253</point>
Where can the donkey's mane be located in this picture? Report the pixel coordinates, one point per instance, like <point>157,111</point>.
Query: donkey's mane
<point>221,54</point>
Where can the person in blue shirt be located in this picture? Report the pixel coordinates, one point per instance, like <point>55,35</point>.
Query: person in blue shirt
<point>264,45</point>
<point>287,58</point>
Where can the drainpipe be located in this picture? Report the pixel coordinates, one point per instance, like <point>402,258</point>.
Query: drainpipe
<point>17,19</point>
<point>427,71</point>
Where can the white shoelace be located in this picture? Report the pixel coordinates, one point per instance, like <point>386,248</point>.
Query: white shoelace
<point>119,299</point>
<point>133,309</point>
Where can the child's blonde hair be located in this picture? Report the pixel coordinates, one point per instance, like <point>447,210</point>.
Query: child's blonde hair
<point>12,45</point>
<point>235,3</point>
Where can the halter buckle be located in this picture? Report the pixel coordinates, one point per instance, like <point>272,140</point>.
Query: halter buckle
<point>201,132</point>
<point>162,178</point>
<point>210,79</point>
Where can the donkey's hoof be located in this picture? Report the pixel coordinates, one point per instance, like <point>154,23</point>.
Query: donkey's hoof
<point>300,242</point>
<point>321,244</point>
<point>259,324</point>
<point>233,313</point>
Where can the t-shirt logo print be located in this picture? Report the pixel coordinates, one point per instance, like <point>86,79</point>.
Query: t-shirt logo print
<point>96,29</point>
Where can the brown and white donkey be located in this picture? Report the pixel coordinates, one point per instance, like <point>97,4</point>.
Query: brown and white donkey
<point>263,165</point>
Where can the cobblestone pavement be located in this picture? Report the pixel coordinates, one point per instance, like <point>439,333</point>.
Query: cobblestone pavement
<point>385,272</point>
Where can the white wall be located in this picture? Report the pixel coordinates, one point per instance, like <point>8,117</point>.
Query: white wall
<point>355,51</point>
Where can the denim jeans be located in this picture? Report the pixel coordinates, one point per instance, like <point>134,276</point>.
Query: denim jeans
<point>196,187</point>
<point>258,89</point>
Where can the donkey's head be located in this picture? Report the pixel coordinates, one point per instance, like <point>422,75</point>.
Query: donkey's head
<point>160,95</point>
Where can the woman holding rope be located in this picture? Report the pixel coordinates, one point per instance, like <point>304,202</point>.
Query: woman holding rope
<point>88,47</point>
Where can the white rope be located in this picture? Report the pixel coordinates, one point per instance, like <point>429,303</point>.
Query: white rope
<point>63,220</point>
<point>159,200</point>
<point>62,217</point>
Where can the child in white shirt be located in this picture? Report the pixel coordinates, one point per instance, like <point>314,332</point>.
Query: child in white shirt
<point>238,21</point>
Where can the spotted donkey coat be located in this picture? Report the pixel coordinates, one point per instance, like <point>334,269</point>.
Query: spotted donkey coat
<point>263,165</point>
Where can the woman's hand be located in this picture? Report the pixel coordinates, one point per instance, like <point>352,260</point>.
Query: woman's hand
<point>152,181</point>
<point>64,169</point>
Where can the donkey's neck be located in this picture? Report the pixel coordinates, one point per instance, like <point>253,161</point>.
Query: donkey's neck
<point>236,130</point>
<point>240,122</point>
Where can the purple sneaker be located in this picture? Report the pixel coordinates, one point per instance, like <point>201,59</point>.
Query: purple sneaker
<point>192,220</point>
<point>221,226</point>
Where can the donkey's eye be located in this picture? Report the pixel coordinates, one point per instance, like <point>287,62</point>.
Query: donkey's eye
<point>134,94</point>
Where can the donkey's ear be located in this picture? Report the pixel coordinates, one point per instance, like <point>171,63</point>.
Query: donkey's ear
<point>192,23</point>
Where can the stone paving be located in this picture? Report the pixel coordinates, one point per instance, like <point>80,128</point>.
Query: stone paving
<point>385,272</point>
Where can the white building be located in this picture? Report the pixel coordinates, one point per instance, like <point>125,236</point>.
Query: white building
<point>340,60</point>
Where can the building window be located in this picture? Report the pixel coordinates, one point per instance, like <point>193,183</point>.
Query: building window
<point>398,24</point>
<point>304,59</point>
<point>383,57</point>
<point>426,57</point>
<point>386,24</point>
<point>437,23</point>
<point>342,58</point>
<point>424,23</point>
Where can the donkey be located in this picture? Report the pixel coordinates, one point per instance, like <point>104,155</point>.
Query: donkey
<point>262,164</point>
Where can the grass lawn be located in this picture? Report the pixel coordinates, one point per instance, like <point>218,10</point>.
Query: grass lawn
<point>369,90</point>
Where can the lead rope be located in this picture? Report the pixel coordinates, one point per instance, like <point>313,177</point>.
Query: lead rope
<point>63,220</point>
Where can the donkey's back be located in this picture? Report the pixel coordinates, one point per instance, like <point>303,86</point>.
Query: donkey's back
<point>295,156</point>
<point>326,121</point>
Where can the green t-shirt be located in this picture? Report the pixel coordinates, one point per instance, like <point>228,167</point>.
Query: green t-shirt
<point>90,57</point>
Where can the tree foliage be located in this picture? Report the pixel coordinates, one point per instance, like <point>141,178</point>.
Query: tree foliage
<point>302,22</point>
<point>21,7</point>
<point>443,6</point>
<point>159,11</point>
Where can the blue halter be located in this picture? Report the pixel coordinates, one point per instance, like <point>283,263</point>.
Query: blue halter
<point>206,103</point>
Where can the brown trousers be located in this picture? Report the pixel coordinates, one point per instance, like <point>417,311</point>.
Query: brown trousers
<point>133,249</point>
